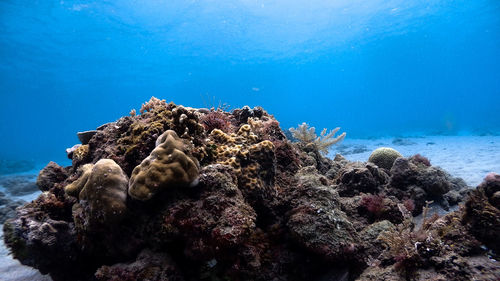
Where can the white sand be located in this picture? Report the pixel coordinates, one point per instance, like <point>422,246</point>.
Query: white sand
<point>468,157</point>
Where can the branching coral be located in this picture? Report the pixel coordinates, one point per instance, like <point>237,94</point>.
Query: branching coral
<point>152,103</point>
<point>306,135</point>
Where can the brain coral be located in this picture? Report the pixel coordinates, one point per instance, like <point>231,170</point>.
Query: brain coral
<point>384,157</point>
<point>169,164</point>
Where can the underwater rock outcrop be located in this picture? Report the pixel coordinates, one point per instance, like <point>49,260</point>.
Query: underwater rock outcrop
<point>178,193</point>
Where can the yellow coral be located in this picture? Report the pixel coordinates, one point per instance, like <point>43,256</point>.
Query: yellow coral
<point>244,154</point>
<point>81,153</point>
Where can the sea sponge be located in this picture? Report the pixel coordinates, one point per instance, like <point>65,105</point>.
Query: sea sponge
<point>384,157</point>
<point>169,164</point>
<point>105,192</point>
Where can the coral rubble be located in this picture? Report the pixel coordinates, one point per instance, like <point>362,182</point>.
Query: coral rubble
<point>178,193</point>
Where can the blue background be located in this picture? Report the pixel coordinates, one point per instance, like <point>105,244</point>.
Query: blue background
<point>372,67</point>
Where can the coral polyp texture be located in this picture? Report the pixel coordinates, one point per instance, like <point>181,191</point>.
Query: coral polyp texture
<point>384,157</point>
<point>169,164</point>
<point>179,193</point>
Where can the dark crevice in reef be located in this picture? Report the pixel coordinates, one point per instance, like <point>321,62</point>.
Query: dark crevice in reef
<point>179,193</point>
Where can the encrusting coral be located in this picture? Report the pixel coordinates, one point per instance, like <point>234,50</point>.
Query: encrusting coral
<point>253,162</point>
<point>307,135</point>
<point>216,195</point>
<point>169,164</point>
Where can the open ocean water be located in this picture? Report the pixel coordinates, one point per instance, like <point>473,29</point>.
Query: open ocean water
<point>375,68</point>
<point>425,72</point>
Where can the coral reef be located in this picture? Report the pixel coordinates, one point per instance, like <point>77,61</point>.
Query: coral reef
<point>148,266</point>
<point>307,136</point>
<point>178,193</point>
<point>105,193</point>
<point>384,157</point>
<point>169,164</point>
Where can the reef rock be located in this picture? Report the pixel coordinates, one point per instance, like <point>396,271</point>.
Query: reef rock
<point>85,136</point>
<point>356,178</point>
<point>147,266</point>
<point>51,175</point>
<point>422,182</point>
<point>482,215</point>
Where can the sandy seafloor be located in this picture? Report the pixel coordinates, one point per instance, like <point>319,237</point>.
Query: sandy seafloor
<point>468,157</point>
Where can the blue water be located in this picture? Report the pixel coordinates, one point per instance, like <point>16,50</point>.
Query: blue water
<point>374,67</point>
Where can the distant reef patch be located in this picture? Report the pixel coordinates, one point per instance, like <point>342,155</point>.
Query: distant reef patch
<point>9,166</point>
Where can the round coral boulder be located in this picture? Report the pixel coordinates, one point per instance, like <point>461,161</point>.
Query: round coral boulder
<point>384,157</point>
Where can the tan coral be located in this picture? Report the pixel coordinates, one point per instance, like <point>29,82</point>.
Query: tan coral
<point>169,164</point>
<point>307,136</point>
<point>106,192</point>
<point>103,187</point>
<point>252,161</point>
<point>75,187</point>
<point>152,103</point>
<point>81,153</point>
